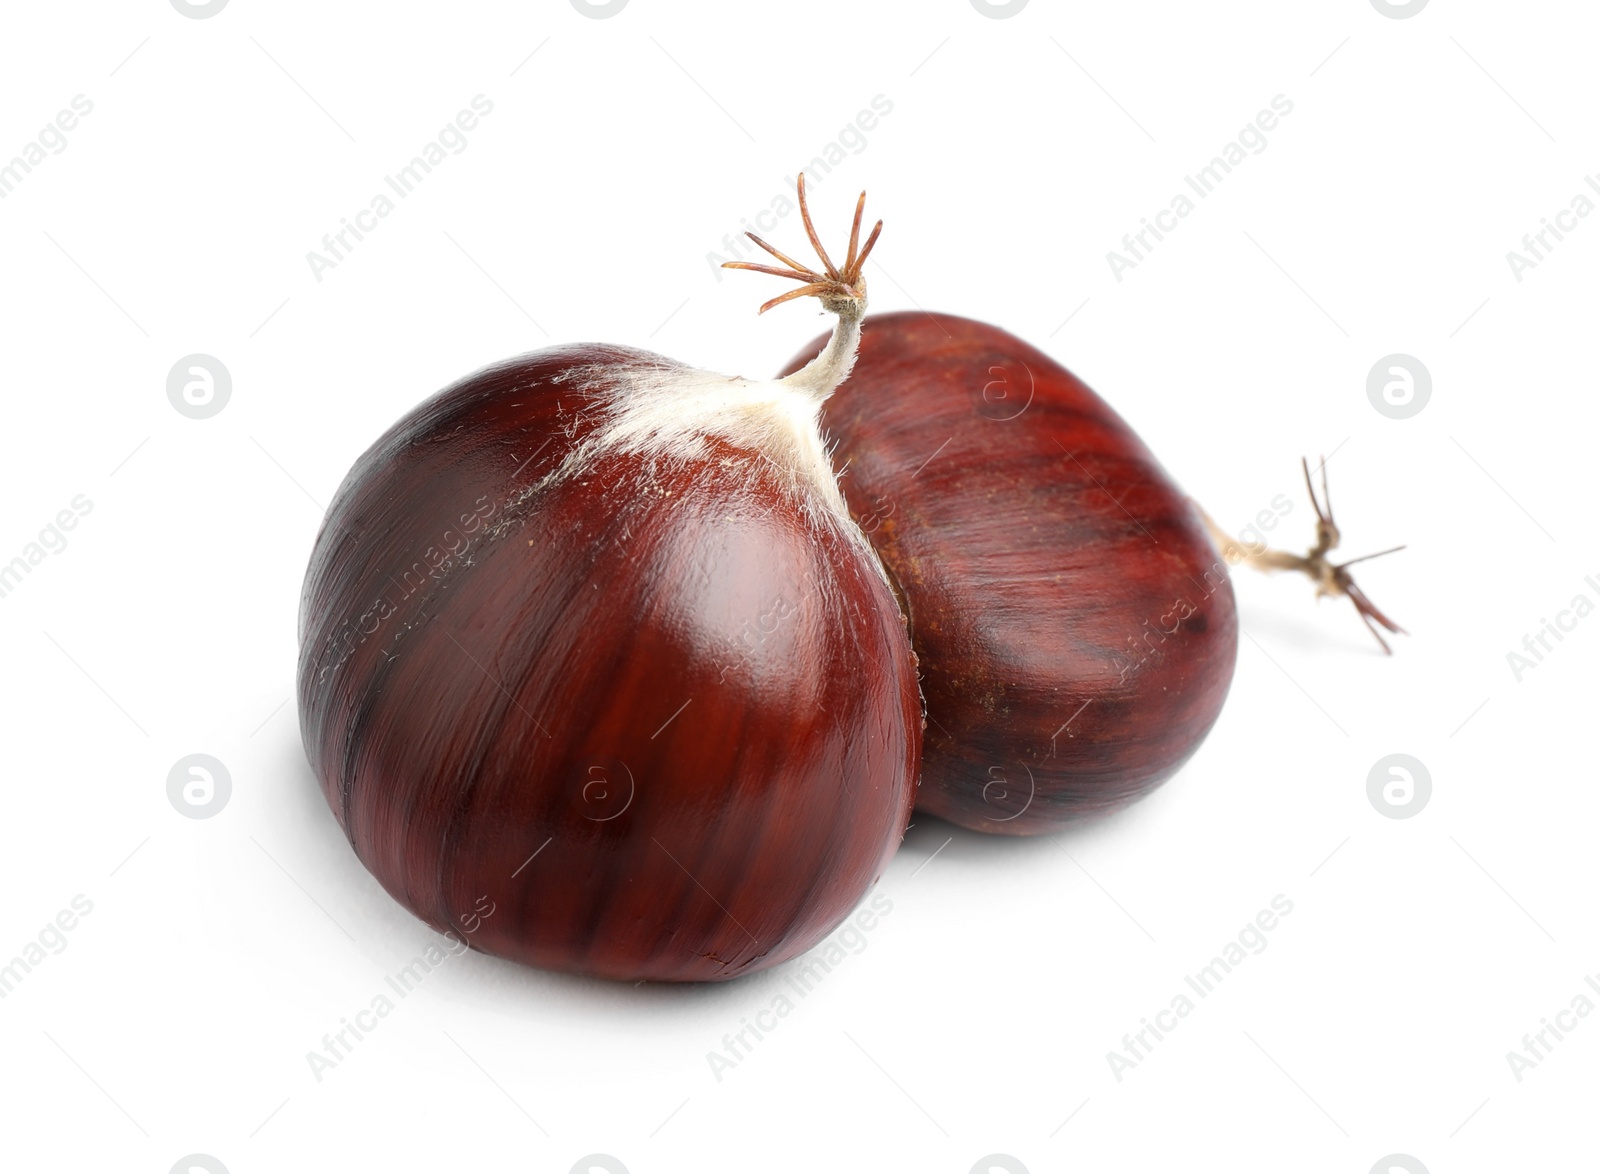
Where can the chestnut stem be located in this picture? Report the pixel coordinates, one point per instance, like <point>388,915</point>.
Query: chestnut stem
<point>1331,578</point>
<point>842,291</point>
<point>822,374</point>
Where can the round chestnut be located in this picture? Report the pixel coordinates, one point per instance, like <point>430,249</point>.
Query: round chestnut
<point>597,672</point>
<point>1073,623</point>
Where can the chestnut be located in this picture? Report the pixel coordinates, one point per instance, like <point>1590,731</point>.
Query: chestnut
<point>589,641</point>
<point>1074,626</point>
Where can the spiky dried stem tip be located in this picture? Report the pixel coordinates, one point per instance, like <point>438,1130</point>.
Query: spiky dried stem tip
<point>1331,578</point>
<point>841,289</point>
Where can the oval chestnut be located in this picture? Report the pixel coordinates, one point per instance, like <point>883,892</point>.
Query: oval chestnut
<point>597,673</point>
<point>1074,626</point>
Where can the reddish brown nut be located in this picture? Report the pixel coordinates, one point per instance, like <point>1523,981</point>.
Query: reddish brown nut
<point>1074,625</point>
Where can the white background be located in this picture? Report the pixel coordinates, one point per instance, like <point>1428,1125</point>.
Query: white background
<point>979,1016</point>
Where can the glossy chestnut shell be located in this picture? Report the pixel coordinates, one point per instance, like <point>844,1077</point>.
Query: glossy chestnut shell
<point>660,719</point>
<point>1074,626</point>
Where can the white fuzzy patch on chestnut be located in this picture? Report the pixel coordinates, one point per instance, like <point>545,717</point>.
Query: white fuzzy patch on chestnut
<point>666,411</point>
